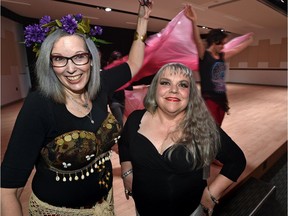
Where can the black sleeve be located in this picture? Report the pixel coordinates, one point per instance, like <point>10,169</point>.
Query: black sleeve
<point>115,77</point>
<point>123,144</point>
<point>232,157</point>
<point>128,133</point>
<point>25,142</point>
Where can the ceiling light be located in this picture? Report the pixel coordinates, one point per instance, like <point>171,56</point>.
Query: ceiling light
<point>108,9</point>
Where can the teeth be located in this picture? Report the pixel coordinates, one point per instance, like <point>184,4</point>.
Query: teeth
<point>74,77</point>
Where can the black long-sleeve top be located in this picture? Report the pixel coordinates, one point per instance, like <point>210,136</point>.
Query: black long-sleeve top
<point>169,187</point>
<point>47,135</point>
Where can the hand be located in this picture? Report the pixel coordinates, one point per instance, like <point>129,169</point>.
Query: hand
<point>128,185</point>
<point>144,2</point>
<point>206,201</point>
<point>127,193</point>
<point>145,8</point>
<point>190,13</point>
<point>115,148</point>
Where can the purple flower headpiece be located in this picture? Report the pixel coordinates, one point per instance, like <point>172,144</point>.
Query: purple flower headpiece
<point>35,34</point>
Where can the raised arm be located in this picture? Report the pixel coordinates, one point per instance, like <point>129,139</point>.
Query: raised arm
<point>237,45</point>
<point>191,15</point>
<point>136,54</point>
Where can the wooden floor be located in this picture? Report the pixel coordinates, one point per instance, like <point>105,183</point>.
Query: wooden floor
<point>257,123</point>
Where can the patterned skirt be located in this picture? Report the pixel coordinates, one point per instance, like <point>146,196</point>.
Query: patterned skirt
<point>40,208</point>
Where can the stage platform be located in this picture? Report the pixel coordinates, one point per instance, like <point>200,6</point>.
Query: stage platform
<point>257,123</point>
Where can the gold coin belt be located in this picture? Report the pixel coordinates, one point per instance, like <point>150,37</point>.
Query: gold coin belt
<point>97,165</point>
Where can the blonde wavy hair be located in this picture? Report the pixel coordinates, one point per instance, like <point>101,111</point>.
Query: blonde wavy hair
<point>199,132</point>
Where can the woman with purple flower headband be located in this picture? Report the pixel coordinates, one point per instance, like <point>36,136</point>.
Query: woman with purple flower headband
<point>64,129</point>
<point>35,34</point>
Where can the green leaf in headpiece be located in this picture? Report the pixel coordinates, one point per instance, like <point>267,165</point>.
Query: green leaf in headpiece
<point>84,26</point>
<point>99,41</point>
<point>59,24</point>
<point>55,23</point>
<point>36,49</point>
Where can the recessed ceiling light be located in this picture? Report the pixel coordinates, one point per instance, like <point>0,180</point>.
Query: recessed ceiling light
<point>108,9</point>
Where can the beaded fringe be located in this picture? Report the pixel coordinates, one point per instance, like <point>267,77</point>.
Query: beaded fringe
<point>96,165</point>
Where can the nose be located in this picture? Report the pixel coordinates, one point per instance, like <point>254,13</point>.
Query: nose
<point>174,89</point>
<point>70,67</point>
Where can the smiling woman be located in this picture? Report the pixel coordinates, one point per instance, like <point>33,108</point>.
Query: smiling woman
<point>166,149</point>
<point>72,130</point>
<point>73,77</point>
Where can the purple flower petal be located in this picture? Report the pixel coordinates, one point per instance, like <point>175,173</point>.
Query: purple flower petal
<point>69,24</point>
<point>44,20</point>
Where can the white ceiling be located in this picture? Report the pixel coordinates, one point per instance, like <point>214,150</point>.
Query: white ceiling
<point>237,16</point>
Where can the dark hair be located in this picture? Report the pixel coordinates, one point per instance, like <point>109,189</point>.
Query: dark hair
<point>114,56</point>
<point>215,36</point>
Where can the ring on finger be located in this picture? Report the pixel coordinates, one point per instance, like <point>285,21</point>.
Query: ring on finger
<point>129,193</point>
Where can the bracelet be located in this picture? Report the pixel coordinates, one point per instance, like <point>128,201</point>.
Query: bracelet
<point>142,37</point>
<point>125,174</point>
<point>206,211</point>
<point>214,200</point>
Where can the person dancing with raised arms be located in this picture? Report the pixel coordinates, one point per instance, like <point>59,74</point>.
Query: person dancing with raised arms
<point>64,128</point>
<point>212,68</point>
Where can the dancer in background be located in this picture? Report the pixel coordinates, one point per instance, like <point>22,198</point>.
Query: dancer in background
<point>64,128</point>
<point>166,149</point>
<point>171,45</point>
<point>212,68</point>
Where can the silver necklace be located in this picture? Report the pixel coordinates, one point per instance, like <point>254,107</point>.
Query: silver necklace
<point>85,105</point>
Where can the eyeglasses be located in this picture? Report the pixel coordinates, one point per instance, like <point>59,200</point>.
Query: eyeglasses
<point>61,61</point>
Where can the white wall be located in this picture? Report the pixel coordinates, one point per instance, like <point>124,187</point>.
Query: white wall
<point>254,76</point>
<point>258,76</point>
<point>15,78</point>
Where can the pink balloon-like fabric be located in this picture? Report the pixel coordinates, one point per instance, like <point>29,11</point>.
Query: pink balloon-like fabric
<point>174,43</point>
<point>134,100</point>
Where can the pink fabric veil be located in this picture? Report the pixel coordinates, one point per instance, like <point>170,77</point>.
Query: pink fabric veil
<point>174,43</point>
<point>134,100</point>
<point>236,42</point>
